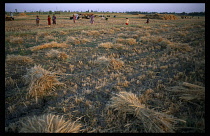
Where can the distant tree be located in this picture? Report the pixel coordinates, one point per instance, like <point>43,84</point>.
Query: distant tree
<point>50,12</point>
<point>16,10</point>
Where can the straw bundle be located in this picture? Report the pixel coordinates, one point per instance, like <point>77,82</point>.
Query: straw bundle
<point>18,59</point>
<point>159,16</point>
<point>57,54</point>
<point>153,122</point>
<point>189,92</point>
<point>48,123</point>
<point>49,45</point>
<point>41,82</point>
<point>110,63</point>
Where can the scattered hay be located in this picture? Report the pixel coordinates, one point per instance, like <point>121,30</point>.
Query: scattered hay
<point>184,47</point>
<point>49,37</point>
<point>57,54</point>
<point>110,63</point>
<point>72,40</point>
<point>107,45</point>
<point>41,82</point>
<point>84,40</point>
<point>116,64</point>
<point>49,45</point>
<point>128,41</point>
<point>47,123</point>
<point>18,59</point>
<point>188,92</point>
<point>16,40</point>
<point>153,122</point>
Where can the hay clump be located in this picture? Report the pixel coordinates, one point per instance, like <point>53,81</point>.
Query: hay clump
<point>47,123</point>
<point>107,45</point>
<point>49,45</point>
<point>109,63</point>
<point>153,122</point>
<point>18,59</point>
<point>57,54</point>
<point>41,82</point>
<point>162,17</point>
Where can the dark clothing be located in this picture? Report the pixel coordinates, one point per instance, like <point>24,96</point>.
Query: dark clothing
<point>147,21</point>
<point>54,19</point>
<point>49,20</point>
<point>37,21</point>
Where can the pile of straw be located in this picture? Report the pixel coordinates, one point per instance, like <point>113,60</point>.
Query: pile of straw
<point>110,63</point>
<point>47,123</point>
<point>162,17</point>
<point>153,122</point>
<point>57,54</point>
<point>49,45</point>
<point>18,59</point>
<point>41,82</point>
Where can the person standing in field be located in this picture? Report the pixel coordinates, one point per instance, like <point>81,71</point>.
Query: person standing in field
<point>147,21</point>
<point>74,18</point>
<point>127,21</point>
<point>37,20</point>
<point>49,20</point>
<point>92,19</point>
<point>54,19</point>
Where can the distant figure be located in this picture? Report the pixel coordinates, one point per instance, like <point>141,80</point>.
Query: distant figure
<point>107,18</point>
<point>127,21</point>
<point>114,15</point>
<point>11,14</point>
<point>54,19</point>
<point>92,19</point>
<point>37,20</point>
<point>49,20</point>
<point>147,21</point>
<point>74,18</point>
<point>77,16</point>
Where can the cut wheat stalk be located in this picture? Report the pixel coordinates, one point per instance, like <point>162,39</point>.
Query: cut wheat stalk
<point>41,82</point>
<point>153,122</point>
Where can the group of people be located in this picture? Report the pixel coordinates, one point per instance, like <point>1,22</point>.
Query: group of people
<point>74,20</point>
<point>48,19</point>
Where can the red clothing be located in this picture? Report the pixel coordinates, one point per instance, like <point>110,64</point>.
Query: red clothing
<point>49,20</point>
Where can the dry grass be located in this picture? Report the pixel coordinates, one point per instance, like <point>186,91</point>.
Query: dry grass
<point>72,40</point>
<point>109,63</point>
<point>57,54</point>
<point>18,59</point>
<point>48,123</point>
<point>107,45</point>
<point>49,45</point>
<point>188,92</point>
<point>128,41</point>
<point>22,14</point>
<point>153,122</point>
<point>17,40</point>
<point>41,82</point>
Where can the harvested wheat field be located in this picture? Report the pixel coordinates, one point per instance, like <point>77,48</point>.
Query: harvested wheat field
<point>107,77</point>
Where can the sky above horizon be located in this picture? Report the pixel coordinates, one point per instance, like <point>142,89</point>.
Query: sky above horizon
<point>111,7</point>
